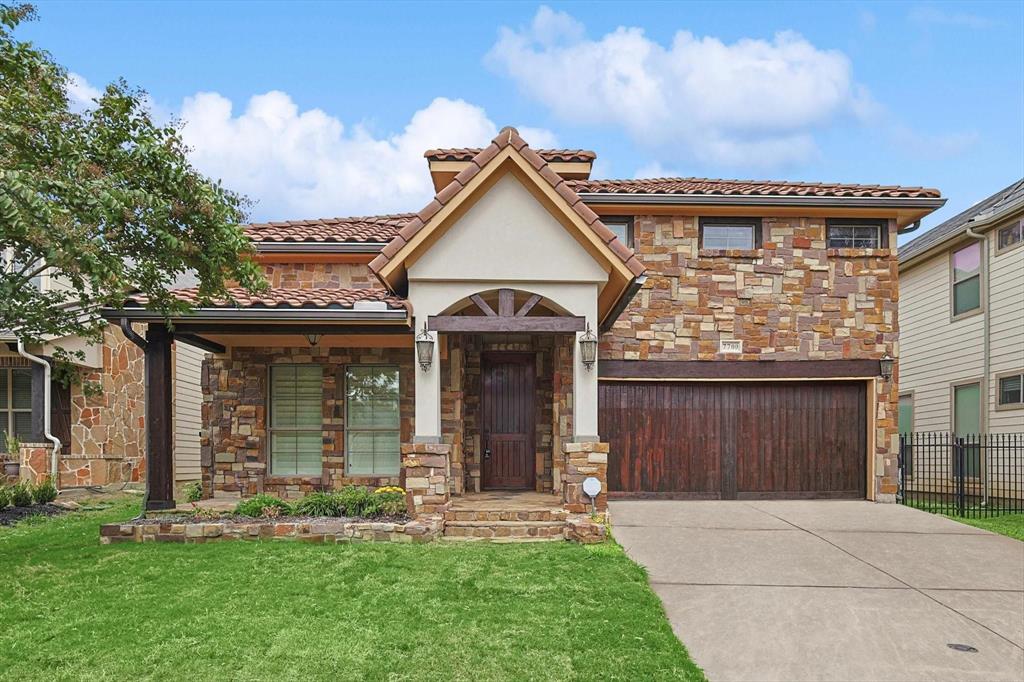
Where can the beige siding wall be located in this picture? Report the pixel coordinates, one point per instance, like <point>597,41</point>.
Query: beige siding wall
<point>1006,301</point>
<point>188,401</point>
<point>936,353</point>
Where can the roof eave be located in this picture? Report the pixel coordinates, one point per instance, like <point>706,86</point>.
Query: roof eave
<point>318,247</point>
<point>264,315</point>
<point>759,200</point>
<point>983,222</point>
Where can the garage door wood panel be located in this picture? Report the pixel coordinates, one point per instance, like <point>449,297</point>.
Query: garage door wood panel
<point>743,440</point>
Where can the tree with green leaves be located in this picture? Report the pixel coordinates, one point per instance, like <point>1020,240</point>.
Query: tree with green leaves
<point>103,201</point>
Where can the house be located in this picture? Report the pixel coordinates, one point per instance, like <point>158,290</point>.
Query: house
<point>101,432</point>
<point>531,327</point>
<point>962,323</point>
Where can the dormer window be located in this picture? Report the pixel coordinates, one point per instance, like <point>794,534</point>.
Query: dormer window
<point>856,234</point>
<point>730,233</point>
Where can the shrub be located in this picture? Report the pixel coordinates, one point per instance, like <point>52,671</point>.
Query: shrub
<point>193,491</point>
<point>388,501</point>
<point>255,505</point>
<point>44,491</point>
<point>5,496</point>
<point>21,495</point>
<point>13,445</point>
<point>354,500</point>
<point>319,504</point>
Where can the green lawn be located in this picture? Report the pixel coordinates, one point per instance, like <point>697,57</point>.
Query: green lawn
<point>72,609</point>
<point>1011,525</point>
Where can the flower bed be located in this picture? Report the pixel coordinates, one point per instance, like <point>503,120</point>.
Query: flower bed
<point>324,529</point>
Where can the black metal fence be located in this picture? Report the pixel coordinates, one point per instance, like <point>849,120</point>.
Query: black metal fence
<point>968,475</point>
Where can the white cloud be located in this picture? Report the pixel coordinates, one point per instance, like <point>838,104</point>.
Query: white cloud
<point>80,93</point>
<point>750,103</point>
<point>304,164</point>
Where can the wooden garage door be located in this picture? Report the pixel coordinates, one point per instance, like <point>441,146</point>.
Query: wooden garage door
<point>735,440</point>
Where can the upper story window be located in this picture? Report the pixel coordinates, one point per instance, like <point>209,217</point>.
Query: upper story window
<point>1010,236</point>
<point>1010,392</point>
<point>967,279</point>
<point>12,264</point>
<point>730,233</point>
<point>622,227</point>
<point>856,234</point>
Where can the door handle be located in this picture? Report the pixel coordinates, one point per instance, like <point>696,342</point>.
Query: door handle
<point>487,453</point>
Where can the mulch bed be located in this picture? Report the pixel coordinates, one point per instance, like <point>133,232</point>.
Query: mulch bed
<point>11,515</point>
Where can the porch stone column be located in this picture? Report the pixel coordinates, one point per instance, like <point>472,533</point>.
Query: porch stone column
<point>583,460</point>
<point>425,474</point>
<point>35,460</point>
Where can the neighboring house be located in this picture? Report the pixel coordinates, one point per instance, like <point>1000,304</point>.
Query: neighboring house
<point>531,327</point>
<point>102,433</point>
<point>962,322</point>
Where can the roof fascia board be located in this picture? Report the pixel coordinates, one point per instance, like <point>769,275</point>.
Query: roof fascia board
<point>266,314</point>
<point>756,200</point>
<point>319,247</point>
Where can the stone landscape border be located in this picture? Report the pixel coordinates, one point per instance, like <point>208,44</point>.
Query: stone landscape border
<point>327,530</point>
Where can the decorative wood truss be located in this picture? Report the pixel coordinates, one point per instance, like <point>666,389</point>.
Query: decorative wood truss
<point>506,319</point>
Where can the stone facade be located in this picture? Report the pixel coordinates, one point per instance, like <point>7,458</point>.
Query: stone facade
<point>108,429</point>
<point>425,475</point>
<point>234,441</point>
<point>460,401</point>
<point>582,461</point>
<point>320,276</point>
<point>793,299</point>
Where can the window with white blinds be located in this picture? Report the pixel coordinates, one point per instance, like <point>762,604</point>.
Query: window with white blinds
<point>296,420</point>
<point>372,420</point>
<point>15,404</point>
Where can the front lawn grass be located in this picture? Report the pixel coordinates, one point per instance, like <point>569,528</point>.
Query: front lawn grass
<point>72,609</point>
<point>1011,525</point>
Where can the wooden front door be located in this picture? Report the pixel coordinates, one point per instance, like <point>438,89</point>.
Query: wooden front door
<point>507,432</point>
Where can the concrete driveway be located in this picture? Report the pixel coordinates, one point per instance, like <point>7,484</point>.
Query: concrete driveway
<point>831,590</point>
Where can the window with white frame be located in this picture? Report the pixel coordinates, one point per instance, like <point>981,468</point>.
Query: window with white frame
<point>15,404</point>
<point>15,265</point>
<point>1010,390</point>
<point>847,234</point>
<point>372,420</point>
<point>730,233</point>
<point>1010,236</point>
<point>296,420</point>
<point>967,279</point>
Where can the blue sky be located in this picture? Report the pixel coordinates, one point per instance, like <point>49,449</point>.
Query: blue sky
<point>891,93</point>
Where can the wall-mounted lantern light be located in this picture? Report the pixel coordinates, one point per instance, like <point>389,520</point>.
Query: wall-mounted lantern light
<point>424,348</point>
<point>588,348</point>
<point>885,365</point>
<point>313,339</point>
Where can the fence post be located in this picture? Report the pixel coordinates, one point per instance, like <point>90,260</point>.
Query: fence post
<point>901,463</point>
<point>961,465</point>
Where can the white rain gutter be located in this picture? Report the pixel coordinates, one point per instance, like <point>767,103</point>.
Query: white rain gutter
<point>54,473</point>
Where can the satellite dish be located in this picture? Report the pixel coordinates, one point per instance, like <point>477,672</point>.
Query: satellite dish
<point>592,486</point>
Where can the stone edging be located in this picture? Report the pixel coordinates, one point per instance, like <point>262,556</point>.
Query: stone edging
<point>424,529</point>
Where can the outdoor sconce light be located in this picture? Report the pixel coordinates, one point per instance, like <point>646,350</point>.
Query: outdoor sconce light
<point>424,348</point>
<point>313,339</point>
<point>588,348</point>
<point>885,366</point>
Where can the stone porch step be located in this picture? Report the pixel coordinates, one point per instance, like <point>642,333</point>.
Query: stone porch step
<point>492,515</point>
<point>505,530</point>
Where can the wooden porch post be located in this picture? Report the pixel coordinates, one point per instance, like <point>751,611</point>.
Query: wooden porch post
<point>159,461</point>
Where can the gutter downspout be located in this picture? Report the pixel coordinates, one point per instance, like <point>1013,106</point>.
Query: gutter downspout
<point>986,338</point>
<point>55,474</point>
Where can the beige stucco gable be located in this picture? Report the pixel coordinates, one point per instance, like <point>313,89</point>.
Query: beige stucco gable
<point>507,235</point>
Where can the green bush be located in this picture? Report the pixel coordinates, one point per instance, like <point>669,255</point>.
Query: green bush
<point>255,505</point>
<point>319,504</point>
<point>193,491</point>
<point>354,500</point>
<point>5,496</point>
<point>388,503</point>
<point>21,495</point>
<point>44,491</point>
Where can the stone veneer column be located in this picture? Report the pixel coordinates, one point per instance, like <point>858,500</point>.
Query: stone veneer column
<point>425,476</point>
<point>35,460</point>
<point>583,460</point>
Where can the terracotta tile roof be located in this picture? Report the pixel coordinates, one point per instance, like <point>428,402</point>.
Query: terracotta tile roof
<point>505,138</point>
<point>549,155</point>
<point>747,187</point>
<point>357,229</point>
<point>288,298</point>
